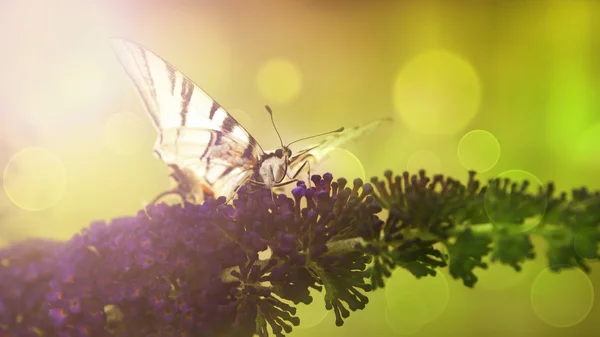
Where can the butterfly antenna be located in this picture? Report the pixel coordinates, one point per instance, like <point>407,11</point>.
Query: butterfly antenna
<point>319,135</point>
<point>273,122</point>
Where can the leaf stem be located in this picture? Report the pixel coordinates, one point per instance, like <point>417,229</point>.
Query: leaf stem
<point>344,246</point>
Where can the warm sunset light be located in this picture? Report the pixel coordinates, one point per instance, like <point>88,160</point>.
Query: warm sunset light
<point>460,199</point>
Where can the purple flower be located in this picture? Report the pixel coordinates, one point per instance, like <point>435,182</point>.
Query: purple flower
<point>188,319</point>
<point>59,316</point>
<point>94,314</point>
<point>74,306</point>
<point>144,260</point>
<point>167,312</point>
<point>158,300</point>
<point>194,270</point>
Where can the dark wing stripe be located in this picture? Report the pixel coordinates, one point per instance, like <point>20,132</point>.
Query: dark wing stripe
<point>248,151</point>
<point>187,89</point>
<point>215,106</point>
<point>172,77</point>
<point>227,171</point>
<point>158,153</point>
<point>218,140</point>
<point>228,124</point>
<point>208,166</point>
<point>149,82</point>
<point>206,150</point>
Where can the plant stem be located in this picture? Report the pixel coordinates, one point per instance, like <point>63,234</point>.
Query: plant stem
<point>349,245</point>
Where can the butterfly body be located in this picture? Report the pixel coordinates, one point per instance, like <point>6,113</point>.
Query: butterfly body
<point>272,167</point>
<point>210,154</point>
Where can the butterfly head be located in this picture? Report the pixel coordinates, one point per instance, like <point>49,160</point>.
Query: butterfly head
<point>283,153</point>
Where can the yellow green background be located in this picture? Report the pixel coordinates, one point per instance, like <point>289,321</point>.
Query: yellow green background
<point>516,81</point>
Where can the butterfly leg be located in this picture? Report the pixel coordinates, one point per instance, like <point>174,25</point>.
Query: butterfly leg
<point>262,184</point>
<point>256,182</point>
<point>273,186</point>
<point>274,180</point>
<point>235,191</point>
<point>286,183</point>
<point>308,173</point>
<point>166,193</point>
<point>301,168</point>
<point>306,163</point>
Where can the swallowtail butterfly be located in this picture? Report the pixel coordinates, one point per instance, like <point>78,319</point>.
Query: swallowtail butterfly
<point>209,152</point>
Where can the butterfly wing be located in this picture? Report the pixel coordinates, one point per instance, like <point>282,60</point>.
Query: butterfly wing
<point>195,134</point>
<point>318,151</point>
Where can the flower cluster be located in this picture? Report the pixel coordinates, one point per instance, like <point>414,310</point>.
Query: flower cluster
<point>26,269</point>
<point>240,269</point>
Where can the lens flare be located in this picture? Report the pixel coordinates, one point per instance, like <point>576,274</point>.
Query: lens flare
<point>35,179</point>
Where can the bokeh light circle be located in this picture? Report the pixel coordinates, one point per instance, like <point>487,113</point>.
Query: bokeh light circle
<point>125,133</point>
<point>279,80</point>
<point>343,163</point>
<point>562,299</point>
<point>498,215</point>
<point>437,92</point>
<point>478,150</point>
<point>432,292</point>
<point>405,314</point>
<point>35,179</point>
<point>424,159</point>
<point>314,313</point>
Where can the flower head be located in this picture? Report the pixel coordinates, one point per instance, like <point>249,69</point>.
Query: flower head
<point>204,270</point>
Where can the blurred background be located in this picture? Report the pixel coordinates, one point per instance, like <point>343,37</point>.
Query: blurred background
<point>502,87</point>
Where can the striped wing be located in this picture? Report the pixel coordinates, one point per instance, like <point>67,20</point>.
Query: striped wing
<point>195,134</point>
<point>316,152</point>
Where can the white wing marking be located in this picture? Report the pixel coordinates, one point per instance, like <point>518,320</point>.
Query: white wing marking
<point>197,137</point>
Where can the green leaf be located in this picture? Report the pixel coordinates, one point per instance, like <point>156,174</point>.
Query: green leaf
<point>512,249</point>
<point>466,254</point>
<point>586,242</point>
<point>561,251</point>
<point>421,259</point>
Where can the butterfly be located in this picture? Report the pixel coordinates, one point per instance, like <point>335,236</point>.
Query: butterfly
<point>209,153</point>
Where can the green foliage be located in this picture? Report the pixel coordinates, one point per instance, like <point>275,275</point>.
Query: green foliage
<point>466,254</point>
<point>421,259</point>
<point>512,249</point>
<point>474,222</point>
